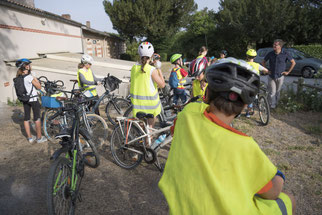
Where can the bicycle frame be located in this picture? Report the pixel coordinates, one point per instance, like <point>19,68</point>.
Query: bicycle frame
<point>146,132</point>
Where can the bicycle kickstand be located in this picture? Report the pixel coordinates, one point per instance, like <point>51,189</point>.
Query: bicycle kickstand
<point>158,165</point>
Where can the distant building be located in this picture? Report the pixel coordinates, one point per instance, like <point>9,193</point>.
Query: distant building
<point>26,31</point>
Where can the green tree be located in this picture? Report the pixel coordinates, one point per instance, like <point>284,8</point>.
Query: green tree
<point>155,20</point>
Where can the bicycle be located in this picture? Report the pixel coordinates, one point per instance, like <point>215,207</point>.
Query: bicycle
<point>129,138</point>
<point>66,173</point>
<point>115,106</point>
<point>55,119</point>
<point>128,142</point>
<point>261,104</point>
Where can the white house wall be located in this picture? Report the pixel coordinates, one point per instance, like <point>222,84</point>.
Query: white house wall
<point>26,35</point>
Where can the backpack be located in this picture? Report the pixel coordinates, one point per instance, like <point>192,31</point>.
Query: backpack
<point>21,90</point>
<point>173,80</point>
<point>197,66</point>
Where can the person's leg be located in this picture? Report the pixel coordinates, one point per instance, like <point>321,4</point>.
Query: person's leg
<point>27,109</point>
<point>175,97</point>
<point>183,97</point>
<point>279,84</point>
<point>36,111</point>
<point>293,202</point>
<point>272,92</point>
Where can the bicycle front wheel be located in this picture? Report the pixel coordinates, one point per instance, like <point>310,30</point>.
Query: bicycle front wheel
<point>97,127</point>
<point>59,188</point>
<point>263,109</point>
<point>88,151</point>
<point>126,155</point>
<point>116,107</point>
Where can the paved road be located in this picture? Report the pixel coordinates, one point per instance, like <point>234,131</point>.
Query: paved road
<point>290,79</point>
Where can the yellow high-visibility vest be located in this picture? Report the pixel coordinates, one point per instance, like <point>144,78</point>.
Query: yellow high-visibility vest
<point>89,77</point>
<point>213,170</point>
<point>181,79</point>
<point>255,66</point>
<point>144,92</point>
<point>197,91</point>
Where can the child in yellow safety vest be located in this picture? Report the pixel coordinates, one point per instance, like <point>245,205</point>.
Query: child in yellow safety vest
<point>213,168</point>
<point>250,56</point>
<point>177,79</point>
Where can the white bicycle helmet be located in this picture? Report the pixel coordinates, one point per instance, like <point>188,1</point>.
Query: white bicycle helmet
<point>87,59</point>
<point>146,49</point>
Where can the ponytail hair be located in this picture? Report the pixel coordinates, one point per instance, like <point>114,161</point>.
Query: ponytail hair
<point>202,49</point>
<point>80,65</point>
<point>144,60</point>
<point>19,72</point>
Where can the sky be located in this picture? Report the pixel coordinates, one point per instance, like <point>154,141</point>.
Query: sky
<point>93,11</point>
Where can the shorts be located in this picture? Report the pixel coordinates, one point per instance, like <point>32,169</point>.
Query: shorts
<point>35,106</point>
<point>281,206</point>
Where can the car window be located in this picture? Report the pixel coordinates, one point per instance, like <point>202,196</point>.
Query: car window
<point>261,52</point>
<point>301,54</point>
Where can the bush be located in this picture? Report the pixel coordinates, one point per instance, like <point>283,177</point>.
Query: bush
<point>309,100</point>
<point>164,56</point>
<point>313,50</point>
<point>14,102</point>
<point>125,56</point>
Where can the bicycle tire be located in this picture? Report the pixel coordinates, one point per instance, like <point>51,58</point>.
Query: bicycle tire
<point>116,107</point>
<point>98,129</point>
<point>263,110</point>
<point>89,152</point>
<point>52,127</point>
<point>63,194</point>
<point>125,158</point>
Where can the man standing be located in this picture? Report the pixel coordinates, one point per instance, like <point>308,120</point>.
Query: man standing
<point>277,65</point>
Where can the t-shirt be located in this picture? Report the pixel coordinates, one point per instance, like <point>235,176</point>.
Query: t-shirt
<point>28,85</point>
<point>277,63</point>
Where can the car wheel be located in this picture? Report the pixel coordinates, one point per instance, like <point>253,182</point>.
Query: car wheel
<point>307,72</point>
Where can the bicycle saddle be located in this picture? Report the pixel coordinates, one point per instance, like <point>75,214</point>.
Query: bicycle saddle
<point>63,133</point>
<point>142,115</point>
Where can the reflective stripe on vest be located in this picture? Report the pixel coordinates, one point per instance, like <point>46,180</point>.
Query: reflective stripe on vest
<point>89,77</point>
<point>144,92</point>
<point>182,80</point>
<point>255,66</point>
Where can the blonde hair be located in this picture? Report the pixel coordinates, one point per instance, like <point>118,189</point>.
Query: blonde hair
<point>19,72</point>
<point>80,65</point>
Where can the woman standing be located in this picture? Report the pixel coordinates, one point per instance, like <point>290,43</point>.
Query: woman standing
<point>31,84</point>
<point>144,82</point>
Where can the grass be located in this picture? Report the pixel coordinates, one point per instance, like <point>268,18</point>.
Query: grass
<point>313,129</point>
<point>13,102</point>
<point>301,148</point>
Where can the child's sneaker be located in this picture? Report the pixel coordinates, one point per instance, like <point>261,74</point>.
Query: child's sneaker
<point>42,139</point>
<point>31,139</point>
<point>247,115</point>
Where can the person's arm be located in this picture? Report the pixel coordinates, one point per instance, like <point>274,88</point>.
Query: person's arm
<point>277,186</point>
<point>291,68</point>
<point>84,81</point>
<point>36,83</point>
<point>183,72</point>
<point>262,69</point>
<point>97,79</point>
<point>157,77</point>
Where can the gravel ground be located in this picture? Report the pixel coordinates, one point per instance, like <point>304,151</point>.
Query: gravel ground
<point>292,141</point>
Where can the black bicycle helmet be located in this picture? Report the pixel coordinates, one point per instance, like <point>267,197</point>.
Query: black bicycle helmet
<point>224,52</point>
<point>22,62</point>
<point>232,75</point>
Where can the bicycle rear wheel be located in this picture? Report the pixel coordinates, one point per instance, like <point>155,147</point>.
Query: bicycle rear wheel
<point>97,127</point>
<point>263,110</point>
<point>52,125</point>
<point>123,153</point>
<point>59,188</point>
<point>88,151</point>
<point>116,107</point>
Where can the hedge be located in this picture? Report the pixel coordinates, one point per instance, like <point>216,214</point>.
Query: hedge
<point>164,56</point>
<point>313,50</point>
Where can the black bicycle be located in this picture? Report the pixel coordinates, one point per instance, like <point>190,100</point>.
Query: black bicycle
<point>261,104</point>
<point>66,172</point>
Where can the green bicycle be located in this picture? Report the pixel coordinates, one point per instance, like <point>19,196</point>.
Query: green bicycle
<point>66,172</point>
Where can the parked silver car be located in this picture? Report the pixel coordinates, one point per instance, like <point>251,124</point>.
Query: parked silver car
<point>306,66</point>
